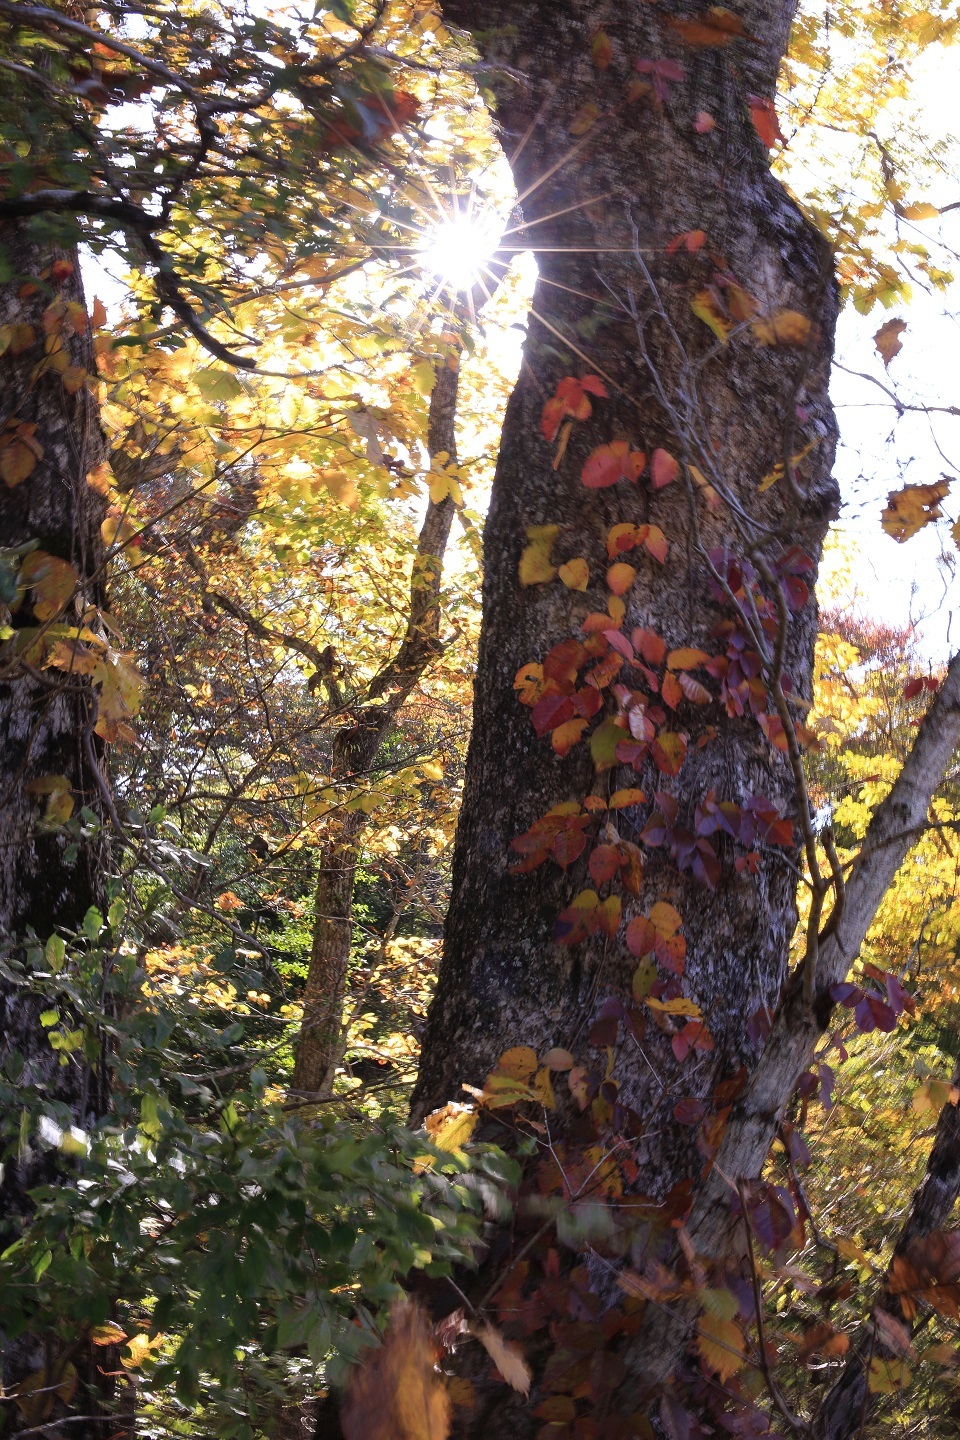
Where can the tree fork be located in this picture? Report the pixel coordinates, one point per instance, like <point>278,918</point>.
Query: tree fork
<point>320,1044</point>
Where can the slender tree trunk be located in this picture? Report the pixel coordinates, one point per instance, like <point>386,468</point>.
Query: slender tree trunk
<point>320,1046</point>
<point>847,1406</point>
<point>51,573</point>
<point>46,718</point>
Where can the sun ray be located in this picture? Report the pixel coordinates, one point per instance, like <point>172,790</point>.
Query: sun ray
<point>555,214</point>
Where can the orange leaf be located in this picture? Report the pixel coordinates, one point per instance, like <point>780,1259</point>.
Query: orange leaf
<point>398,1390</point>
<point>717,27</point>
<point>601,50</point>
<point>621,798</point>
<point>622,537</point>
<point>663,469</point>
<point>910,509</point>
<point>784,327</point>
<point>764,116</point>
<point>610,463</point>
<point>656,542</point>
<point>686,658</point>
<point>668,751</point>
<point>519,1063</point>
<point>620,577</point>
<point>17,462</point>
<point>505,1356</point>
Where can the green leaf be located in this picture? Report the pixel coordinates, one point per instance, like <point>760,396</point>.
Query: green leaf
<point>217,383</point>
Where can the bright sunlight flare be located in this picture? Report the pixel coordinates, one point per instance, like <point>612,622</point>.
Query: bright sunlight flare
<point>459,249</point>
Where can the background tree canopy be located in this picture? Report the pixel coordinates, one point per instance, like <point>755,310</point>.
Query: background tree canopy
<point>478,929</point>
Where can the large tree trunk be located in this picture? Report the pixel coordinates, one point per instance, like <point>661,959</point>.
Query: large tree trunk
<point>604,191</point>
<point>321,1040</point>
<point>640,176</point>
<point>50,521</point>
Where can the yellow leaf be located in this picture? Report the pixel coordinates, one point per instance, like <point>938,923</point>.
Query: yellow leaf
<point>910,509</point>
<point>535,564</point>
<point>922,210</point>
<point>721,1345</point>
<point>933,1095</point>
<point>706,308</point>
<point>121,692</point>
<point>451,1127</point>
<point>109,1334</point>
<point>543,1089</point>
<point>784,327</point>
<point>520,1062</point>
<point>424,377</point>
<point>575,574</point>
<point>680,1006</point>
<point>585,119</point>
<point>887,1376</point>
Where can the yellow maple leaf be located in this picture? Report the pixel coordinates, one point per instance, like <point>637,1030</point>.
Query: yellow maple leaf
<point>908,510</point>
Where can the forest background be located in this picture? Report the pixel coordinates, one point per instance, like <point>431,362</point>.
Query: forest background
<point>212,1189</point>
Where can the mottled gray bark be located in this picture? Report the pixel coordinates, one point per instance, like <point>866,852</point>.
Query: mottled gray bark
<point>600,211</point>
<point>320,1044</point>
<point>640,176</point>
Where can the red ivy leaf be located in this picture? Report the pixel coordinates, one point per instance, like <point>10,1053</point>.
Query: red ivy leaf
<point>764,116</point>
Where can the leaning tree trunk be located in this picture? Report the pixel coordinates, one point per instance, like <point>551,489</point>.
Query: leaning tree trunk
<point>321,1041</point>
<point>847,1405</point>
<point>51,574</point>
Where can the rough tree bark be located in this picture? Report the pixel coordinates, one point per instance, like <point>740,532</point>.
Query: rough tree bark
<point>46,716</point>
<point>46,722</point>
<point>320,1044</point>
<point>600,207</point>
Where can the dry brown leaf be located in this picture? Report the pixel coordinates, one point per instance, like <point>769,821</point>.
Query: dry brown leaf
<point>397,1393</point>
<point>887,340</point>
<point>505,1356</point>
